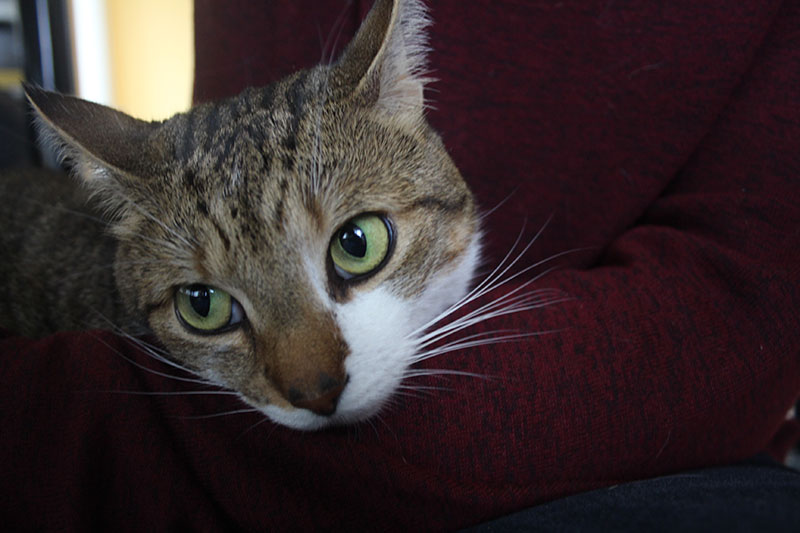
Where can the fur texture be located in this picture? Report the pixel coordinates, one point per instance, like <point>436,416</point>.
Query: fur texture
<point>246,196</point>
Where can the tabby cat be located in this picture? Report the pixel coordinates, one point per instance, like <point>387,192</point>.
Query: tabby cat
<point>291,243</point>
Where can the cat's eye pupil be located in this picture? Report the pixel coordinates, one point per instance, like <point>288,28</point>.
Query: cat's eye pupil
<point>200,299</point>
<point>353,240</point>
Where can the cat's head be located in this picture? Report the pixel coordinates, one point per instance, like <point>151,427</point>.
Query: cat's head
<point>288,243</point>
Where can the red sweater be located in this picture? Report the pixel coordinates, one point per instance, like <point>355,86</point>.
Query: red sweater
<point>664,136</point>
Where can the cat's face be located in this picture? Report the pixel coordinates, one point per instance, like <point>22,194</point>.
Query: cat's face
<point>271,227</point>
<point>292,242</point>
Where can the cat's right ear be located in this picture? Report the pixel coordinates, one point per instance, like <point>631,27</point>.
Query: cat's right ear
<point>384,66</point>
<point>101,143</point>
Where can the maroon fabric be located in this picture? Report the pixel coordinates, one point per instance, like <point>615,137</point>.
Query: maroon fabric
<point>664,135</point>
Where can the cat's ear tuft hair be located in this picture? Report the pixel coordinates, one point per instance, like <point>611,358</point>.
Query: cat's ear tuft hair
<point>97,140</point>
<point>385,64</point>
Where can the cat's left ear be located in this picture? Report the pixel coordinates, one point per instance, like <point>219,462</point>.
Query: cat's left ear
<point>384,65</point>
<point>100,142</point>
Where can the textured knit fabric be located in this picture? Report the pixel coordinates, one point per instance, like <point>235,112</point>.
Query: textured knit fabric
<point>663,138</point>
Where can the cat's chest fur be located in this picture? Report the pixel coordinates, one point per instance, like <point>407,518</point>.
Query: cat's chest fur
<point>290,243</point>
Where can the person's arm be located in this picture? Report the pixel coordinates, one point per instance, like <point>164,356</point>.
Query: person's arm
<point>681,350</point>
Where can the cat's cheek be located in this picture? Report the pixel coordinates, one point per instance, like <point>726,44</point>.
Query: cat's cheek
<point>377,327</point>
<point>446,287</point>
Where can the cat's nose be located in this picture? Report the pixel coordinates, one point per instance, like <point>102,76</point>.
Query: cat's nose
<point>323,399</point>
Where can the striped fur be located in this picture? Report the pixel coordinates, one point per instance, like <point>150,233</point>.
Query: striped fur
<point>246,194</point>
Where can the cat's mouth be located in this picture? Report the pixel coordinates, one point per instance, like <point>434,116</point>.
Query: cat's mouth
<point>305,420</point>
<point>340,407</point>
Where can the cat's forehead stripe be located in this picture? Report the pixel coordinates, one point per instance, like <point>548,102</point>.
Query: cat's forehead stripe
<point>241,128</point>
<point>212,125</point>
<point>295,100</point>
<point>185,147</point>
<point>266,96</point>
<point>278,214</point>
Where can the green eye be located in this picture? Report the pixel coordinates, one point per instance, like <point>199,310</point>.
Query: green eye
<point>206,309</point>
<point>360,246</point>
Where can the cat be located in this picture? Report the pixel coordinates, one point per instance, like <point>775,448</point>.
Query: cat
<point>291,243</point>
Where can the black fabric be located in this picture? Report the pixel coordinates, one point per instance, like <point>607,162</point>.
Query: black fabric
<point>759,495</point>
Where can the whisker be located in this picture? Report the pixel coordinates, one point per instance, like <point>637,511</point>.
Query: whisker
<point>504,305</point>
<point>61,208</point>
<point>445,372</point>
<point>171,393</point>
<point>500,204</point>
<point>459,345</point>
<point>190,242</point>
<point>535,265</point>
<point>328,48</point>
<point>412,395</point>
<point>103,222</point>
<point>489,281</point>
<point>147,369</point>
<point>374,428</point>
<point>217,415</point>
<point>484,286</point>
<point>385,424</point>
<point>254,426</point>
<point>507,302</point>
<point>99,268</point>
<point>482,318</point>
<point>160,358</point>
<point>521,298</point>
<point>427,390</point>
<point>473,336</point>
<point>153,351</point>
